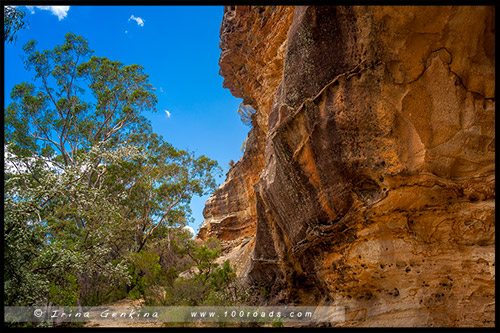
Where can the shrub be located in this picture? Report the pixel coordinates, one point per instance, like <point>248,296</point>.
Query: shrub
<point>147,275</point>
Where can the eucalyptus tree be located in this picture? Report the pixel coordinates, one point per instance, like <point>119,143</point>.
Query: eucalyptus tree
<point>85,174</point>
<point>14,20</point>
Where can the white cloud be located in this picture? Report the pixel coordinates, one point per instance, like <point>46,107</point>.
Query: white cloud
<point>140,21</point>
<point>59,11</point>
<point>161,89</point>
<point>167,113</point>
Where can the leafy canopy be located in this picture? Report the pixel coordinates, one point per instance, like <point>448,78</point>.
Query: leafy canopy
<point>13,22</point>
<point>87,180</point>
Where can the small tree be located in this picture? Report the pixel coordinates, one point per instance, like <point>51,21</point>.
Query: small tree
<point>44,246</point>
<point>210,283</point>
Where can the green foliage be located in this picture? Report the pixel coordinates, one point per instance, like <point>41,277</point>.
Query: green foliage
<point>54,117</point>
<point>278,323</point>
<point>64,292</point>
<point>146,273</point>
<point>209,282</point>
<point>13,18</point>
<point>184,292</point>
<point>90,191</point>
<point>22,283</point>
<point>220,286</point>
<point>43,243</point>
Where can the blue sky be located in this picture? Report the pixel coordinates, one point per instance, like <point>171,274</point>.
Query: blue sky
<point>178,46</point>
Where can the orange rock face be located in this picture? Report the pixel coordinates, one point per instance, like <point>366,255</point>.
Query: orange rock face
<point>369,176</point>
<point>253,43</point>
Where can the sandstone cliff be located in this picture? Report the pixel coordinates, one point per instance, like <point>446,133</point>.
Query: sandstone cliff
<point>253,42</point>
<point>369,176</point>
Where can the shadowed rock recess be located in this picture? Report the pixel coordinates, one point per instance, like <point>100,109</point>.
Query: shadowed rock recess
<point>368,180</point>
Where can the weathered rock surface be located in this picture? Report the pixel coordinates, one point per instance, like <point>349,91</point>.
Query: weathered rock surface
<point>253,42</point>
<point>369,177</point>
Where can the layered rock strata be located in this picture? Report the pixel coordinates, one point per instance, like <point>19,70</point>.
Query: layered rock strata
<point>369,176</point>
<point>253,43</point>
